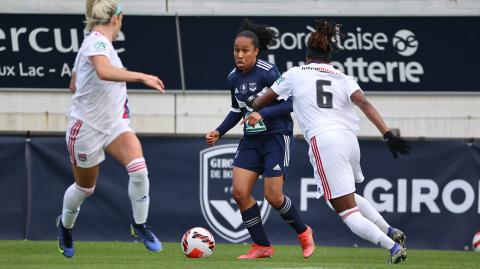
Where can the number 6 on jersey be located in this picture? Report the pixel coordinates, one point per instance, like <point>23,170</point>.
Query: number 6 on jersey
<point>324,99</point>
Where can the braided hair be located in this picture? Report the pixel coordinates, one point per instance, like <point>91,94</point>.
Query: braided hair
<point>261,35</point>
<point>322,42</point>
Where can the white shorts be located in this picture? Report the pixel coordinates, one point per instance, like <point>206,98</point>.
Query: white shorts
<point>335,157</point>
<point>86,145</point>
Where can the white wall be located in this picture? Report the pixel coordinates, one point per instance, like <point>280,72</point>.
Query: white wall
<point>259,7</point>
<point>415,116</point>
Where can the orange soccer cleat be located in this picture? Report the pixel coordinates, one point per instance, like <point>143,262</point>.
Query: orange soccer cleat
<point>306,242</point>
<point>258,251</point>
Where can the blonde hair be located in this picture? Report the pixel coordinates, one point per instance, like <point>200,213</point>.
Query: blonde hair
<point>99,12</point>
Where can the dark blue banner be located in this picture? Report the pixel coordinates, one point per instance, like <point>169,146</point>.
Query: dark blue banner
<point>38,51</point>
<point>384,53</point>
<point>431,194</point>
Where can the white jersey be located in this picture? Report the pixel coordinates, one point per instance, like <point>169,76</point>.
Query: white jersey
<point>98,103</point>
<point>321,98</point>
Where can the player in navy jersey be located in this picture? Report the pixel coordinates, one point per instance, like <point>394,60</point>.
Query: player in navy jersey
<point>265,146</point>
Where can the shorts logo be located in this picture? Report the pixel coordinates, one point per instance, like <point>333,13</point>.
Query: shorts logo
<point>218,207</point>
<point>82,157</point>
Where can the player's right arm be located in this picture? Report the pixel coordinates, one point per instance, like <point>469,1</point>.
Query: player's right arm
<point>232,118</point>
<point>73,81</point>
<point>281,87</point>
<point>106,71</point>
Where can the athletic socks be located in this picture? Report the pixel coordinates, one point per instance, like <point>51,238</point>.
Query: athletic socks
<point>72,200</point>
<point>369,212</point>
<point>365,229</point>
<point>253,222</point>
<point>396,247</point>
<point>138,189</point>
<point>289,213</point>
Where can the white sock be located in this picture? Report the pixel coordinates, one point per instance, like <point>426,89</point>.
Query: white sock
<point>364,228</point>
<point>138,189</point>
<point>369,212</point>
<point>72,200</point>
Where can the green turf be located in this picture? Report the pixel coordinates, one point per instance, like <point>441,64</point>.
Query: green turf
<point>113,255</point>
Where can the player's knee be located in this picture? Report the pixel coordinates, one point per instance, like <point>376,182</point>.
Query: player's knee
<point>240,195</point>
<point>137,170</point>
<point>85,191</point>
<point>274,199</point>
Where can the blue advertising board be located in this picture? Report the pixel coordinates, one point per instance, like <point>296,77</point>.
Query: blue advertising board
<point>433,191</point>
<point>38,51</point>
<point>385,54</point>
<point>382,53</point>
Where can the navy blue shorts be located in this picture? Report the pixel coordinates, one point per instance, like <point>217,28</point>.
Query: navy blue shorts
<point>267,155</point>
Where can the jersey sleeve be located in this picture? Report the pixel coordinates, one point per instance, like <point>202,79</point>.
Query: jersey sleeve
<point>272,75</point>
<point>350,86</point>
<point>99,46</point>
<point>283,85</point>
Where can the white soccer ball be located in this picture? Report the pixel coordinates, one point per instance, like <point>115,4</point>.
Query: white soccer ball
<point>198,242</point>
<point>476,242</point>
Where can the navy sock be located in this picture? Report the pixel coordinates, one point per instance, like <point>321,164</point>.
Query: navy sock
<point>290,215</point>
<point>253,222</point>
<point>390,231</point>
<point>394,249</point>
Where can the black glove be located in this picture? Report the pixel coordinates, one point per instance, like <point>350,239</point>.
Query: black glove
<point>396,144</point>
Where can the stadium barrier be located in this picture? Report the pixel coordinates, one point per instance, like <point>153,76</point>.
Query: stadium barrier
<point>432,194</point>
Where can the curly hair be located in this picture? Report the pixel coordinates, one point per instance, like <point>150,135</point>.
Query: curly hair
<point>323,42</point>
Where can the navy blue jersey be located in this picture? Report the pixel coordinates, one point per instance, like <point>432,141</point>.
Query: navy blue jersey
<point>243,85</point>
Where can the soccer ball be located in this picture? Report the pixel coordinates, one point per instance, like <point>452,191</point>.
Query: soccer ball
<point>476,242</point>
<point>198,242</point>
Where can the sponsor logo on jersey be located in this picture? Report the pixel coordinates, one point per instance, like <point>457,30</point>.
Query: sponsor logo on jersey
<point>277,168</point>
<point>280,80</point>
<point>100,45</point>
<point>236,90</point>
<point>218,207</point>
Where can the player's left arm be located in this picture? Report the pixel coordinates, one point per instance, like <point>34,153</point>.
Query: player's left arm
<point>73,81</point>
<point>395,144</point>
<point>359,99</point>
<point>258,102</point>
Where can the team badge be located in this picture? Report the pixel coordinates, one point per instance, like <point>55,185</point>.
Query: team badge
<point>243,88</point>
<point>218,207</point>
<point>252,86</point>
<point>82,157</point>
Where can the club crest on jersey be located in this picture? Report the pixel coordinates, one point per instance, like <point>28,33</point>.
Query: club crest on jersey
<point>82,157</point>
<point>218,207</point>
<point>243,88</point>
<point>252,86</point>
